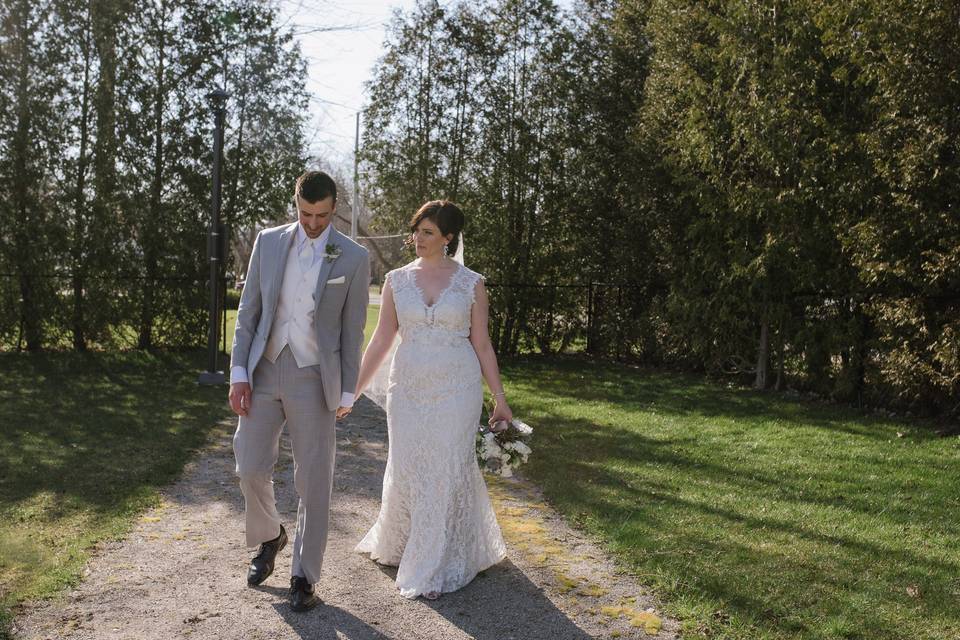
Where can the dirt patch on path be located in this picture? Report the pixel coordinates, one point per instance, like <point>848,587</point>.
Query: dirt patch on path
<point>181,572</point>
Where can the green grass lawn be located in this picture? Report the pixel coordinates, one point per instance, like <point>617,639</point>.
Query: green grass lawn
<point>88,440</point>
<point>752,516</point>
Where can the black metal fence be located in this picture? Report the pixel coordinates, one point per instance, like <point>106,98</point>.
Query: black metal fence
<point>125,311</point>
<point>597,317</point>
<point>119,311</point>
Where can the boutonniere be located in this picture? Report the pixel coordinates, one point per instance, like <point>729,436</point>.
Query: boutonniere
<point>332,252</point>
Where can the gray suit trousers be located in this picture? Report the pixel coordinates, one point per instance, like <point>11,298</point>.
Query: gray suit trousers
<point>283,393</point>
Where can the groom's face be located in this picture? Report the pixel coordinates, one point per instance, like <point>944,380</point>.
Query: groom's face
<point>315,216</point>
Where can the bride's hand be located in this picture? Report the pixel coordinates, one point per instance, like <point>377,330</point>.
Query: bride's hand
<point>501,411</point>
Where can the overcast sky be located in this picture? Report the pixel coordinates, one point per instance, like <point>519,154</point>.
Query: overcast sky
<point>339,62</point>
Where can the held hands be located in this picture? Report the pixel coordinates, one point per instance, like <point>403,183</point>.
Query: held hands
<point>240,398</point>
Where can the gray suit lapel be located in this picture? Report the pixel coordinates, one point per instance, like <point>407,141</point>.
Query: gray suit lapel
<point>280,262</point>
<point>325,267</point>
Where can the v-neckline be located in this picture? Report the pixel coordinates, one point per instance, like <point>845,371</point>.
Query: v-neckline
<point>423,300</point>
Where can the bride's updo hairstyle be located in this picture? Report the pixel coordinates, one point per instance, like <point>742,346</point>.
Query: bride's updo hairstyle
<point>446,215</point>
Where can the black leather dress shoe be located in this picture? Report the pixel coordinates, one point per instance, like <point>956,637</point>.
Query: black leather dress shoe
<point>302,596</point>
<point>262,564</point>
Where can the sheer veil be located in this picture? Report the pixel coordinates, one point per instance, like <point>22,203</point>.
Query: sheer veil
<point>377,389</point>
<point>458,256</point>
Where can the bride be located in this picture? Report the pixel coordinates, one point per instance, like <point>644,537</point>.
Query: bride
<point>436,523</point>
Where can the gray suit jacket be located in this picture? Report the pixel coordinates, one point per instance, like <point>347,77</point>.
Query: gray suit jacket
<point>340,312</point>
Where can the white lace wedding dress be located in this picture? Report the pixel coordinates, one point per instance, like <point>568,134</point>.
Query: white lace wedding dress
<point>436,523</point>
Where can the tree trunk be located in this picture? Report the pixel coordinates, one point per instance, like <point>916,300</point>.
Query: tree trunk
<point>79,231</point>
<point>151,250</point>
<point>860,354</point>
<point>763,357</point>
<point>459,131</point>
<point>21,153</point>
<point>104,213</point>
<point>781,347</point>
<point>104,16</point>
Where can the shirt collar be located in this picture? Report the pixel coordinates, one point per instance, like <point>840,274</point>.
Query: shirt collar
<point>321,241</point>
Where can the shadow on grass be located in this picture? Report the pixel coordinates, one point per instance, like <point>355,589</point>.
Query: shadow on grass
<point>88,440</point>
<point>780,573</point>
<point>745,511</point>
<point>94,429</point>
<point>629,387</point>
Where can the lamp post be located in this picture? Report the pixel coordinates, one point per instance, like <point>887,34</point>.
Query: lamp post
<point>213,376</point>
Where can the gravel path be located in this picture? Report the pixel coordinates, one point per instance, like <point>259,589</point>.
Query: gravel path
<point>181,572</point>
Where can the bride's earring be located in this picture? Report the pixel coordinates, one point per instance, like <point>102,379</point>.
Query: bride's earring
<point>446,250</point>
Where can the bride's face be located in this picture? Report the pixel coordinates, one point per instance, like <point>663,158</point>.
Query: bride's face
<point>428,240</point>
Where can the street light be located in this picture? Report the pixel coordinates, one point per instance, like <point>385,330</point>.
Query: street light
<point>213,376</point>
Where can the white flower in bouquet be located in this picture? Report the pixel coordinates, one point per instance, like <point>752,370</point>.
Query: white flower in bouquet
<point>501,451</point>
<point>522,427</point>
<point>521,448</point>
<point>488,447</point>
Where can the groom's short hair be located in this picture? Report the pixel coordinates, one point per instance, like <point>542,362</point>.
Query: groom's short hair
<point>314,186</point>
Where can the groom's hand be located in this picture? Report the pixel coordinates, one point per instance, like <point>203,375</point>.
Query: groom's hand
<point>240,398</point>
<point>343,412</point>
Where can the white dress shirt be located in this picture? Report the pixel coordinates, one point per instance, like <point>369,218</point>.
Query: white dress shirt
<point>309,252</point>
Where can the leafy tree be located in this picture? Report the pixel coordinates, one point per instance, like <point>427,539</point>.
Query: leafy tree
<point>105,131</point>
<point>29,126</point>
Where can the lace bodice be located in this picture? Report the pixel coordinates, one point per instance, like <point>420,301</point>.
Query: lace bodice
<point>447,319</point>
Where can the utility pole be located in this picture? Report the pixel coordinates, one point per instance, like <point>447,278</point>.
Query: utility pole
<point>355,209</point>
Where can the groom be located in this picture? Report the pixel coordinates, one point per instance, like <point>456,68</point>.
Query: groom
<point>296,347</point>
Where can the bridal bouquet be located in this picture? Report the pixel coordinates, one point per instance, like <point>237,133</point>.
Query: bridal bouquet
<point>503,447</point>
